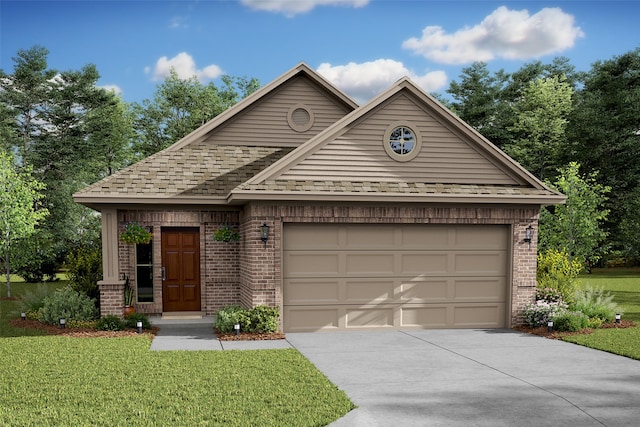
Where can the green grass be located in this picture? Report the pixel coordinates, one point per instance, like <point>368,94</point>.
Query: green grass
<point>624,284</point>
<point>57,380</point>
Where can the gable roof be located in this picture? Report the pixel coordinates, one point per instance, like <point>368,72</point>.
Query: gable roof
<point>198,169</point>
<point>300,175</point>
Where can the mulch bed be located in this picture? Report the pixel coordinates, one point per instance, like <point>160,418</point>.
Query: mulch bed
<point>78,332</point>
<point>92,333</point>
<point>543,331</point>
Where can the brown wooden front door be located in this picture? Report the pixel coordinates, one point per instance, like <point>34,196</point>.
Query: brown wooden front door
<point>181,269</point>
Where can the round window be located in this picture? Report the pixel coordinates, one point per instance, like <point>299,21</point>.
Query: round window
<point>300,118</point>
<point>401,142</point>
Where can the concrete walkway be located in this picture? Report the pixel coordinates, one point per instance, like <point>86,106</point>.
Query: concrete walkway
<point>454,377</point>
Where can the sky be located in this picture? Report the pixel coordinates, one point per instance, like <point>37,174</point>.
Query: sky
<point>361,46</point>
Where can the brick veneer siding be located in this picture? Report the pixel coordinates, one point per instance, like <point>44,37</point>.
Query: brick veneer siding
<point>219,261</point>
<point>111,298</point>
<point>261,267</point>
<point>250,273</point>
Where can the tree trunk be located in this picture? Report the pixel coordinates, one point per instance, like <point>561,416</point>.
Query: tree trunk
<point>6,262</point>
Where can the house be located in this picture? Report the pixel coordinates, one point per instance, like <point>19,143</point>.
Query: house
<point>393,214</point>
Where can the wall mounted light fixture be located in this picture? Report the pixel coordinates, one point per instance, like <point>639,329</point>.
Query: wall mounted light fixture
<point>528,234</point>
<point>264,233</point>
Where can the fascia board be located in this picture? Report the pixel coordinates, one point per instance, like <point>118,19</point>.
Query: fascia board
<point>240,196</point>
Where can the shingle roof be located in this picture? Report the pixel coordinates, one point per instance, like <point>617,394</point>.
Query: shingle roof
<point>195,170</point>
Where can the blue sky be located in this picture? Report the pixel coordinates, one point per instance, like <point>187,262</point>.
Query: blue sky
<point>362,46</point>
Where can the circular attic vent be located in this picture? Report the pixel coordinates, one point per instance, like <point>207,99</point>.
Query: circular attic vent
<point>300,118</point>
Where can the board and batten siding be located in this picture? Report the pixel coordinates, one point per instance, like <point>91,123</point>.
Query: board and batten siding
<point>265,124</point>
<point>359,155</point>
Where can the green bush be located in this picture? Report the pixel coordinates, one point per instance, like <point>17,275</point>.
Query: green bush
<point>76,324</point>
<point>84,268</point>
<point>261,319</point>
<point>227,317</point>
<point>69,304</point>
<point>110,322</point>
<point>132,320</point>
<point>540,312</point>
<point>557,271</point>
<point>595,303</point>
<point>264,319</point>
<point>570,321</point>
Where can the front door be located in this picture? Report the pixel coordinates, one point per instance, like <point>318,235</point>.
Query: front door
<point>180,269</point>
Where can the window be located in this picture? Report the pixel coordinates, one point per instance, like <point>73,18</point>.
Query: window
<point>144,271</point>
<point>402,142</point>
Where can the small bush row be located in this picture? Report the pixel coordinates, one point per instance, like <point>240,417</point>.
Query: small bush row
<point>260,319</point>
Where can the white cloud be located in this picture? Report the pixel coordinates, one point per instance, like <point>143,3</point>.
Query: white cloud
<point>294,7</point>
<point>185,67</point>
<point>178,22</point>
<point>112,88</point>
<point>364,81</point>
<point>509,34</point>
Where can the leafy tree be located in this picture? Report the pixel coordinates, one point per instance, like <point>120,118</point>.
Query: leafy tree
<point>19,214</point>
<point>180,106</point>
<point>604,135</point>
<point>576,227</point>
<point>478,101</point>
<point>541,117</point>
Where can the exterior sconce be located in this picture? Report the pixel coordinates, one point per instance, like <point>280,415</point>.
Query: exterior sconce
<point>63,323</point>
<point>264,233</point>
<point>528,233</point>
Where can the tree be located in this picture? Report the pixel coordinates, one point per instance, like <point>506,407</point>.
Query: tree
<point>541,117</point>
<point>576,227</point>
<point>19,212</point>
<point>180,106</point>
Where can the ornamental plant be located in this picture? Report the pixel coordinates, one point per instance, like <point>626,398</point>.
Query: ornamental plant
<point>226,233</point>
<point>556,270</point>
<point>540,312</point>
<point>136,233</point>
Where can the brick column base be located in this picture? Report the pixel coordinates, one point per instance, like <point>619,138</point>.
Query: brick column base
<point>111,297</point>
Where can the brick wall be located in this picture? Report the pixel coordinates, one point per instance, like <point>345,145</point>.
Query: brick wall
<point>260,266</point>
<point>249,272</point>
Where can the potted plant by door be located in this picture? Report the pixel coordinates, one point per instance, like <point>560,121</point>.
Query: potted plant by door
<point>128,299</point>
<point>134,232</point>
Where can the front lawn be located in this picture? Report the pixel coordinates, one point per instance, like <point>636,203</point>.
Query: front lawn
<point>60,380</point>
<point>624,284</point>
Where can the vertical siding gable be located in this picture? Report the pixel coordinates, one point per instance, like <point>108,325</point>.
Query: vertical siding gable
<point>266,124</point>
<point>358,154</point>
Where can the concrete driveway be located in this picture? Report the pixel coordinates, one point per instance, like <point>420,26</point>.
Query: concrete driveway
<point>474,378</point>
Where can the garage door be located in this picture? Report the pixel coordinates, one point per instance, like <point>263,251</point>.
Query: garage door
<point>351,276</point>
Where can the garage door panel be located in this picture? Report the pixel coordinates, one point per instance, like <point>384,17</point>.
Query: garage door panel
<point>369,237</point>
<point>424,263</point>
<point>311,264</point>
<point>432,316</point>
<point>312,291</point>
<point>425,290</point>
<point>487,237</point>
<point>310,319</point>
<point>476,316</point>
<point>369,264</point>
<point>369,291</point>
<point>374,317</point>
<point>424,237</point>
<point>311,236</point>
<point>491,289</point>
<point>480,263</point>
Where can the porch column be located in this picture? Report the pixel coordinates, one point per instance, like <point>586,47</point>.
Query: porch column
<point>111,286</point>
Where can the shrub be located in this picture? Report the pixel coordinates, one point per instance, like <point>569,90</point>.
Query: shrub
<point>227,317</point>
<point>548,295</point>
<point>261,319</point>
<point>76,324</point>
<point>557,271</point>
<point>595,303</point>
<point>132,320</point>
<point>67,303</point>
<point>84,268</point>
<point>264,319</point>
<point>110,322</point>
<point>539,313</point>
<point>570,321</point>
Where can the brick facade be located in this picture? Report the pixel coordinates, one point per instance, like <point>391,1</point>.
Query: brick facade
<point>249,272</point>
